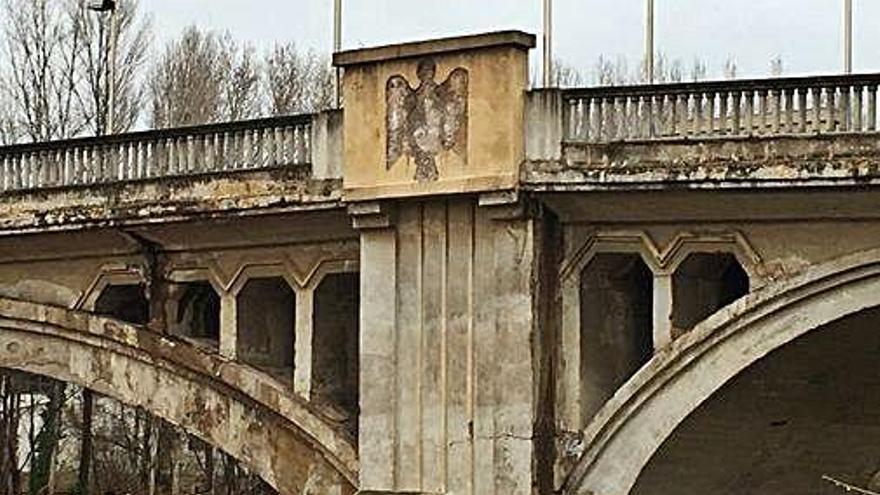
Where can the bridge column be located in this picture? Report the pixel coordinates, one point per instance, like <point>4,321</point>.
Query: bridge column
<point>449,347</point>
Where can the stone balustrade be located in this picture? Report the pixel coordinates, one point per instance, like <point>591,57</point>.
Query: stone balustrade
<point>246,145</point>
<point>760,107</point>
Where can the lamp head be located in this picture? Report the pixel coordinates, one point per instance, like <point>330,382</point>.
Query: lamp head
<point>101,5</point>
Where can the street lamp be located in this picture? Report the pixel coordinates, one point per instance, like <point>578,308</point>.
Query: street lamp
<point>649,41</point>
<point>337,46</point>
<point>109,7</point>
<point>847,36</point>
<point>548,43</point>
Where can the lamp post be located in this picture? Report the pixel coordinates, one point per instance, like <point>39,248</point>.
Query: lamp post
<point>337,46</point>
<point>649,41</point>
<point>548,43</point>
<point>847,36</point>
<point>109,7</point>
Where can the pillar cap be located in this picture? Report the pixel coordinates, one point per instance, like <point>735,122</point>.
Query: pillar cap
<point>434,47</point>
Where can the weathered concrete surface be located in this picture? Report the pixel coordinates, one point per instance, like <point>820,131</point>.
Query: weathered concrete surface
<point>449,377</point>
<point>278,190</point>
<point>243,412</point>
<point>629,429</point>
<point>805,410</point>
<point>709,163</point>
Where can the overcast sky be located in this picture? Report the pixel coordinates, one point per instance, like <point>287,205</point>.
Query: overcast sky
<point>806,34</point>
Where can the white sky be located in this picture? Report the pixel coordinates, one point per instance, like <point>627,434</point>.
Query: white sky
<point>806,34</point>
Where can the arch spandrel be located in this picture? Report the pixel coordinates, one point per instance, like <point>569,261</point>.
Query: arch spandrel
<point>238,410</point>
<point>631,427</point>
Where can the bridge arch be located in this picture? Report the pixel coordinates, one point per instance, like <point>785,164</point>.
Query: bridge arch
<point>626,433</point>
<point>229,405</point>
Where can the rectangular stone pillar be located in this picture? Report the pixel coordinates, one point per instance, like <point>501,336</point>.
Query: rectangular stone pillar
<point>448,356</point>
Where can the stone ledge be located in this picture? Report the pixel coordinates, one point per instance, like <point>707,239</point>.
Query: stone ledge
<point>434,47</point>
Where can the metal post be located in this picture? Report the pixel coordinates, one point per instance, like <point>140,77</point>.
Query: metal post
<point>649,41</point>
<point>847,36</point>
<point>548,43</point>
<point>337,46</point>
<point>111,68</point>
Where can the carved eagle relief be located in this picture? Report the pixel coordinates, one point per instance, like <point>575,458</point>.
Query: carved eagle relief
<point>424,121</point>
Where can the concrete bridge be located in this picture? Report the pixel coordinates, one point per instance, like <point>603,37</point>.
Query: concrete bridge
<point>460,286</point>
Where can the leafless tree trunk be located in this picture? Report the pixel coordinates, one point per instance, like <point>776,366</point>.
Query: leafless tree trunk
<point>41,78</point>
<point>133,43</point>
<point>54,86</point>
<point>297,82</point>
<point>85,452</point>
<point>204,77</point>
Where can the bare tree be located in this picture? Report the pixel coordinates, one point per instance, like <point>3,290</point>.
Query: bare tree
<point>240,79</point>
<point>133,43</point>
<point>297,82</point>
<point>203,77</point>
<point>41,78</point>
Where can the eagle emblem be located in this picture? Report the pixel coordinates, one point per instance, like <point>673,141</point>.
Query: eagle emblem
<point>424,121</point>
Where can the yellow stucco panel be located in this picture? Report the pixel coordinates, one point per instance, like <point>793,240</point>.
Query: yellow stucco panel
<point>439,117</point>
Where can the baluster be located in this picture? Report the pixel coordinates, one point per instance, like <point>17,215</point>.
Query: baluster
<point>83,166</point>
<point>266,147</point>
<point>276,135</point>
<point>178,157</point>
<point>569,126</point>
<point>723,110</point>
<point>58,167</point>
<point>749,111</point>
<point>776,101</point>
<point>789,110</point>
<point>28,171</point>
<point>224,153</point>
<point>599,116</point>
<point>129,157</point>
<point>616,124</point>
<point>832,108</point>
<point>209,150</point>
<point>582,122</point>
<point>80,167</point>
<point>710,111</point>
<point>845,109</point>
<point>763,122</point>
<point>120,153</point>
<point>286,151</point>
<point>650,107</point>
<point>626,125</point>
<point>673,114</point>
<point>802,110</point>
<point>170,157</point>
<point>98,156</point>
<point>872,107</point>
<point>258,156</point>
<point>736,113</point>
<point>191,165</point>
<point>302,146</point>
<point>157,158</point>
<point>15,169</point>
<point>818,104</point>
<point>4,173</point>
<point>140,149</point>
<point>66,175</point>
<point>246,154</point>
<point>857,108</point>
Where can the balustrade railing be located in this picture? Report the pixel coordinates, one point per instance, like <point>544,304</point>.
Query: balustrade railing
<point>761,107</point>
<point>252,144</point>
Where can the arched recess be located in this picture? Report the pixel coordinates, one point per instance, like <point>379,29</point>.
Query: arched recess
<point>628,430</point>
<point>238,410</point>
